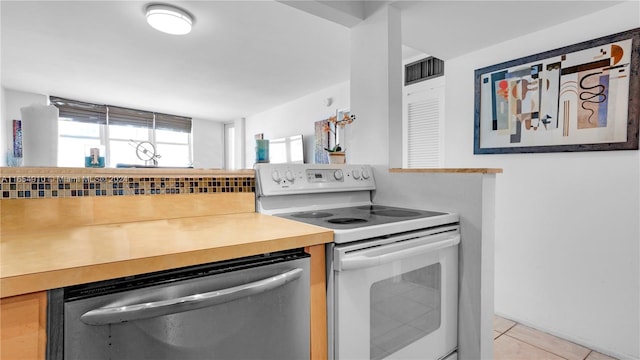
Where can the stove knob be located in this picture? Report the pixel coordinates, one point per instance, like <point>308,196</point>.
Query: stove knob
<point>289,176</point>
<point>338,174</point>
<point>365,174</point>
<point>275,175</point>
<point>356,173</point>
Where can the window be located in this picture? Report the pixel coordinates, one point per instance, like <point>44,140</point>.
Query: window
<point>72,141</point>
<point>127,135</point>
<point>172,137</point>
<point>174,146</point>
<point>404,308</point>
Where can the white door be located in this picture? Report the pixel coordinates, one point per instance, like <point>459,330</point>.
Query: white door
<point>423,124</point>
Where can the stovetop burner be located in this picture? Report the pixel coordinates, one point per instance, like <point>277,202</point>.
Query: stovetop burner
<point>372,207</point>
<point>359,216</point>
<point>311,215</point>
<point>343,221</point>
<point>388,211</point>
<point>396,213</point>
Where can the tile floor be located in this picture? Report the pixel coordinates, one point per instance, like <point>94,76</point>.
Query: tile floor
<point>513,341</point>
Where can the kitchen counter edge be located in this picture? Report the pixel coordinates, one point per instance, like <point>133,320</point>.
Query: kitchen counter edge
<point>262,234</point>
<point>448,170</point>
<point>158,172</point>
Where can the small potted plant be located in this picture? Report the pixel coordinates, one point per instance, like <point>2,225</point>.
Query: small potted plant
<point>337,152</point>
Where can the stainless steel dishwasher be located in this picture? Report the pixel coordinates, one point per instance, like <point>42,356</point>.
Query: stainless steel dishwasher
<point>249,308</point>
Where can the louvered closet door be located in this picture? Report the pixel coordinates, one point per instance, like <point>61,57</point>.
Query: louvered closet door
<point>424,110</point>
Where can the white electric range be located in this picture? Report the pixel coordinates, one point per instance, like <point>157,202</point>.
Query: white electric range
<point>392,273</point>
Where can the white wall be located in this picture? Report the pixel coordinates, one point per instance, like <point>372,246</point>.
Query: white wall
<point>567,233</point>
<point>240,126</point>
<point>4,139</point>
<point>13,100</point>
<point>3,121</point>
<point>376,95</point>
<point>296,117</point>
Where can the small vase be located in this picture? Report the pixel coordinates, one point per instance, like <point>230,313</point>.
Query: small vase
<point>337,157</point>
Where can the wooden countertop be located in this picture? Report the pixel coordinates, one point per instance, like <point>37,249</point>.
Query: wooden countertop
<point>165,172</point>
<point>41,260</point>
<point>449,170</point>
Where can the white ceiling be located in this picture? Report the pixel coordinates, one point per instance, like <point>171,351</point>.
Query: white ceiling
<point>448,29</point>
<point>242,57</point>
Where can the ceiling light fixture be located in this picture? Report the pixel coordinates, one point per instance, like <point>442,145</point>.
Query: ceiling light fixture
<point>169,19</point>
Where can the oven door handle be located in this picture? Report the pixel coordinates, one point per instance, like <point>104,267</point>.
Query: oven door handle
<point>377,256</point>
<point>118,314</point>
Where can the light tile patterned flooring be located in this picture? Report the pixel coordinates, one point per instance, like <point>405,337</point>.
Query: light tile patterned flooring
<point>513,341</point>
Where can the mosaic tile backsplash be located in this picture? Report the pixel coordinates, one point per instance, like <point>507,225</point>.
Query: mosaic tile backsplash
<point>38,187</point>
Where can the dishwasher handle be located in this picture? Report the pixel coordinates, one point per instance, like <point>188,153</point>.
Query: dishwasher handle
<point>374,256</point>
<point>118,314</point>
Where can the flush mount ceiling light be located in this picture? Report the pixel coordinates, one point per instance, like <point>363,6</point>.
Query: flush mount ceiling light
<point>169,19</point>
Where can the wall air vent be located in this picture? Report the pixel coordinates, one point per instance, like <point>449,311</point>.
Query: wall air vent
<point>424,69</point>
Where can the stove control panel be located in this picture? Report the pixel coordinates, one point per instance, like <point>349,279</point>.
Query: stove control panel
<point>285,179</point>
<point>324,175</point>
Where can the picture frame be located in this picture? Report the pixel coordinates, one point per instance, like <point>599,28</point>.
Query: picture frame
<point>17,138</point>
<point>321,141</point>
<point>582,97</point>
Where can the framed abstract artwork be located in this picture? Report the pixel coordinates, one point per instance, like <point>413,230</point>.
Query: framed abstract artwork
<point>581,97</point>
<point>17,138</point>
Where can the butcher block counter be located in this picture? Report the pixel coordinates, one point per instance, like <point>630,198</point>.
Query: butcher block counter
<point>42,260</point>
<point>62,227</point>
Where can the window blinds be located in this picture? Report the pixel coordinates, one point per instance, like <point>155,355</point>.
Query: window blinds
<point>173,122</point>
<point>130,117</point>
<point>74,110</point>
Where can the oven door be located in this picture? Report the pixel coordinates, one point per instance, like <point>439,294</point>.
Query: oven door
<point>397,298</point>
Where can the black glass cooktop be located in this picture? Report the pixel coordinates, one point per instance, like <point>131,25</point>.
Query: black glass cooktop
<point>358,216</point>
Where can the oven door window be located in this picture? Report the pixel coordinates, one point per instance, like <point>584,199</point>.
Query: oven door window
<point>404,308</point>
